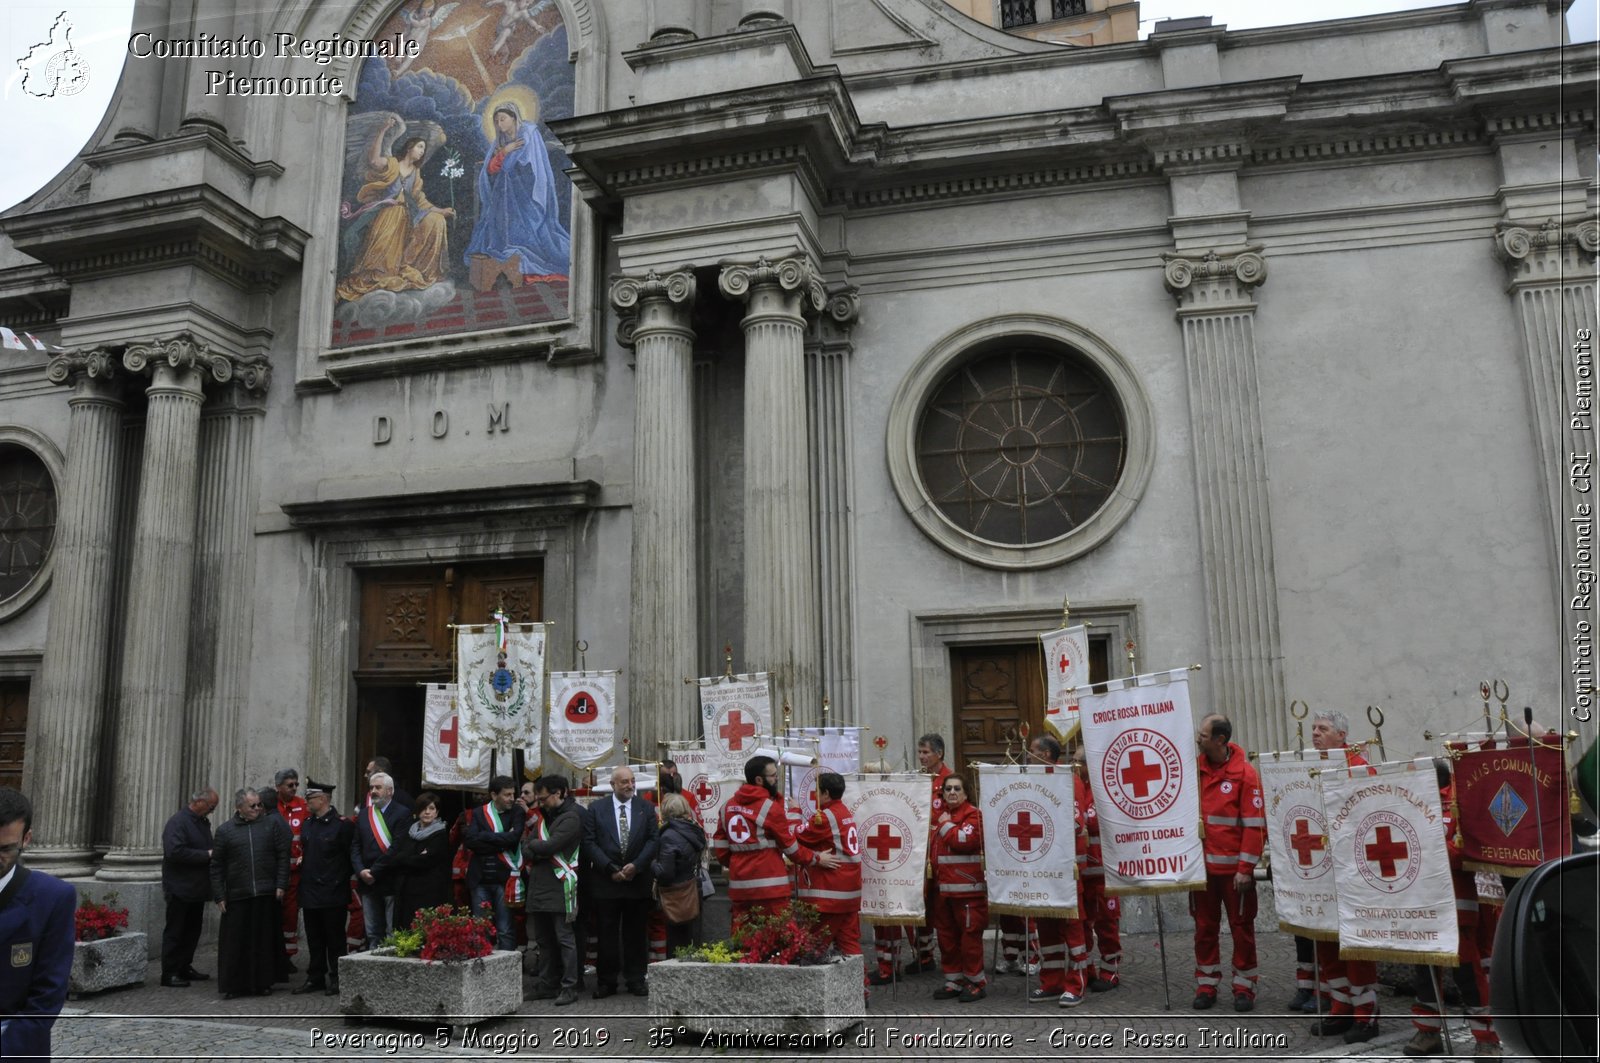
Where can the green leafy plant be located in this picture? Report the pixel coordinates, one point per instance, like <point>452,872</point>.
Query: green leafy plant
<point>406,943</point>
<point>712,952</point>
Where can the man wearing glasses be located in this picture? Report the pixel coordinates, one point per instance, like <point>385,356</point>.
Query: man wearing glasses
<point>37,926</point>
<point>249,872</point>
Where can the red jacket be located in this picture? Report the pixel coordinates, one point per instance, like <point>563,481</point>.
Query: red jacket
<point>295,814</point>
<point>752,838</point>
<point>958,853</point>
<point>938,793</point>
<point>832,830</point>
<point>1232,810</point>
<point>1082,809</point>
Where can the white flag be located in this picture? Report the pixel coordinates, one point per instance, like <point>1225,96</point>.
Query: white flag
<point>838,750</point>
<point>501,695</point>
<point>1297,835</point>
<point>703,782</point>
<point>735,713</point>
<point>1066,668</point>
<point>583,716</point>
<point>1029,839</point>
<point>1396,900</point>
<point>892,814</point>
<point>443,762</point>
<point>1139,740</point>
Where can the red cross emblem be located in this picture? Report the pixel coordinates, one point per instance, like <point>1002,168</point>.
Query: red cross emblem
<point>736,730</point>
<point>1304,841</point>
<point>1385,851</point>
<point>701,789</point>
<point>1140,775</point>
<point>448,736</point>
<point>1025,830</point>
<point>882,842</point>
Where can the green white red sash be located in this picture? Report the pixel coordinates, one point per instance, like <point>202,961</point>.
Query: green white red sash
<point>512,858</point>
<point>380,828</point>
<point>566,870</point>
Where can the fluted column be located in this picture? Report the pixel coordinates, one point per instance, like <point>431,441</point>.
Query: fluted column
<point>139,100</point>
<point>73,681</point>
<point>782,627</point>
<point>1551,274</point>
<point>661,654</point>
<point>220,624</point>
<point>148,778</point>
<point>1217,314</point>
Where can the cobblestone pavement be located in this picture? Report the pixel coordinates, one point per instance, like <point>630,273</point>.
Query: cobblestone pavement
<point>1132,1022</point>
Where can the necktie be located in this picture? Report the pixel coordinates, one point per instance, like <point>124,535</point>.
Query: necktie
<point>622,827</point>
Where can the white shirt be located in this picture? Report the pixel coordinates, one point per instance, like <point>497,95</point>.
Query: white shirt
<point>5,880</point>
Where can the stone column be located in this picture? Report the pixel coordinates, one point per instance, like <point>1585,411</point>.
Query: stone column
<point>780,577</point>
<point>828,394</point>
<point>148,778</point>
<point>220,624</point>
<point>1551,274</point>
<point>661,654</point>
<point>1217,314</point>
<point>139,101</point>
<point>73,682</point>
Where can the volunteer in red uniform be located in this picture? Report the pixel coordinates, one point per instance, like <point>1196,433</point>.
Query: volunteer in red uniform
<point>1349,986</point>
<point>1235,824</point>
<point>1102,912</point>
<point>961,908</point>
<point>753,836</point>
<point>292,807</point>
<point>834,892</point>
<point>1061,952</point>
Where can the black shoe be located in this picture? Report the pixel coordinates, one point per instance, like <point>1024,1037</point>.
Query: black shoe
<point>1040,995</point>
<point>332,990</point>
<point>921,966</point>
<point>229,996</point>
<point>971,993</point>
<point>1204,1001</point>
<point>601,992</point>
<point>640,990</point>
<point>1331,1025</point>
<point>567,996</point>
<point>1105,985</point>
<point>196,976</point>
<point>1244,1002</point>
<point>1360,1032</point>
<point>1302,999</point>
<point>172,981</point>
<point>311,984</point>
<point>267,992</point>
<point>542,994</point>
<point>879,978</point>
<point>947,992</point>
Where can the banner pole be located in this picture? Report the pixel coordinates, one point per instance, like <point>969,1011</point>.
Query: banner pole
<point>1438,999</point>
<point>1161,939</point>
<point>1533,776</point>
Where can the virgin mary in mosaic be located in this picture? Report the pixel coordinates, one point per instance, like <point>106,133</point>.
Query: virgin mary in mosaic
<point>454,210</point>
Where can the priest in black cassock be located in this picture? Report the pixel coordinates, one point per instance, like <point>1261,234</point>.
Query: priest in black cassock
<point>249,872</point>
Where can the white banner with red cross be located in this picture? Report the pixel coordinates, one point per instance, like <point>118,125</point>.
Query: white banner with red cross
<point>500,679</point>
<point>583,716</point>
<point>1297,836</point>
<point>707,786</point>
<point>1029,843</point>
<point>1066,671</point>
<point>735,713</point>
<point>1138,737</point>
<point>892,814</point>
<point>1396,900</point>
<point>443,762</point>
<point>838,750</point>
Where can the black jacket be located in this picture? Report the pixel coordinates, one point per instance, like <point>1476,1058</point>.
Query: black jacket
<point>545,892</point>
<point>603,853</point>
<point>486,844</point>
<point>367,855</point>
<point>325,866</point>
<point>424,869</point>
<point>186,857</point>
<point>678,855</point>
<point>249,858</point>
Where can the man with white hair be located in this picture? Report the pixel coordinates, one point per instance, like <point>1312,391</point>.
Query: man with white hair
<point>381,821</point>
<point>619,844</point>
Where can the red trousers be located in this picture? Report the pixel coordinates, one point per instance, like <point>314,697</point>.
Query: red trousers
<point>886,941</point>
<point>1207,907</point>
<point>846,928</point>
<point>1060,941</point>
<point>1102,923</point>
<point>743,909</point>
<point>656,931</point>
<point>291,915</point>
<point>1351,985</point>
<point>960,923</point>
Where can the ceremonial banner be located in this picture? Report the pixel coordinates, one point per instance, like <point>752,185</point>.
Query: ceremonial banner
<point>838,750</point>
<point>1491,890</point>
<point>1512,818</point>
<point>1390,864</point>
<point>1297,839</point>
<point>735,712</point>
<point>443,763</point>
<point>500,680</point>
<point>1139,740</point>
<point>583,716</point>
<point>1029,848</point>
<point>702,782</point>
<point>892,813</point>
<point>1066,668</point>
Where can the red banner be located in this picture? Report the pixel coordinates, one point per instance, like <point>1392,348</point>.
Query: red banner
<point>1513,808</point>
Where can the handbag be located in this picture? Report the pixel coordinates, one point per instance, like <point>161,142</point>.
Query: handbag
<point>707,887</point>
<point>680,903</point>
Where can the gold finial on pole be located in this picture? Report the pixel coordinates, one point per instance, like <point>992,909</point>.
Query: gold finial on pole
<point>1299,727</point>
<point>1131,648</point>
<point>825,708</point>
<point>1488,720</point>
<point>582,646</point>
<point>788,716</point>
<point>1375,717</point>
<point>1066,610</point>
<point>1501,693</point>
<point>727,661</point>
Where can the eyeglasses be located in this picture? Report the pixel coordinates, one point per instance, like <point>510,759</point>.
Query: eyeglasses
<point>252,804</point>
<point>10,850</point>
<point>952,789</point>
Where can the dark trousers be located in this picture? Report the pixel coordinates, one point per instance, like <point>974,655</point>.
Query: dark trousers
<point>680,935</point>
<point>558,950</point>
<point>621,921</point>
<point>324,942</point>
<point>181,935</point>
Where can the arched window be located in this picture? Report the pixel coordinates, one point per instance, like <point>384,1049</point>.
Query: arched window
<point>27,518</point>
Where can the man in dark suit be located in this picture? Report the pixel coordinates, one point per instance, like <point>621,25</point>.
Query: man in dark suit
<point>379,826</point>
<point>619,843</point>
<point>186,884</point>
<point>37,927</point>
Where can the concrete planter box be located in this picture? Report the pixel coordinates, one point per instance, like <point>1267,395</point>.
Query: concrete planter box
<point>379,984</point>
<point>110,962</point>
<point>735,998</point>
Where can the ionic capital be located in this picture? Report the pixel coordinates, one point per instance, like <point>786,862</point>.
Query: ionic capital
<point>844,306</point>
<point>1544,254</point>
<point>183,351</point>
<point>677,287</point>
<point>1203,280</point>
<point>795,276</point>
<point>96,364</point>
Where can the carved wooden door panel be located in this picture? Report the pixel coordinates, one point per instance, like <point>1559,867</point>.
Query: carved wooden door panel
<point>13,730</point>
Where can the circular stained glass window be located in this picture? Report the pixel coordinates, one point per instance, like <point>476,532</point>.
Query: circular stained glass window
<point>27,518</point>
<point>1021,445</point>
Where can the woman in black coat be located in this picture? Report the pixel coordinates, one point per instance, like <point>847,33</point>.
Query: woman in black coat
<point>677,860</point>
<point>422,858</point>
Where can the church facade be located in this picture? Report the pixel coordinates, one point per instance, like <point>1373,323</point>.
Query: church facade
<point>857,336</point>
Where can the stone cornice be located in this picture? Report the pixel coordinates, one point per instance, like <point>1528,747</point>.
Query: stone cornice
<point>796,275</point>
<point>253,373</point>
<point>1210,281</point>
<point>1546,254</point>
<point>541,502</point>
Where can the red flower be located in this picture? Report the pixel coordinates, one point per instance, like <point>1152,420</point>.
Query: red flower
<point>449,936</point>
<point>793,935</point>
<point>97,921</point>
